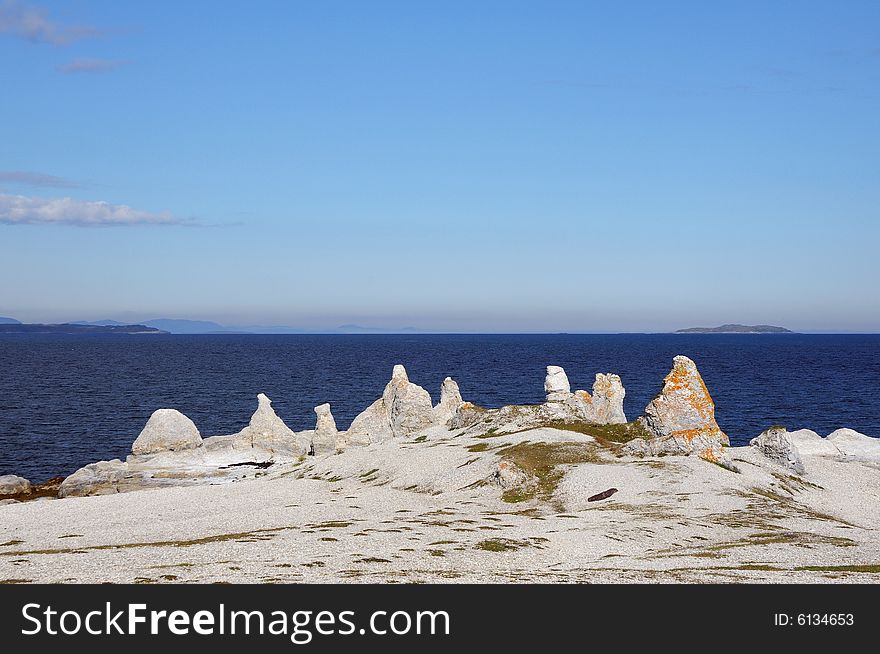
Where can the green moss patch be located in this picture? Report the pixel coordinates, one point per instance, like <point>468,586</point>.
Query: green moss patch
<point>541,461</point>
<point>603,433</point>
<point>873,568</point>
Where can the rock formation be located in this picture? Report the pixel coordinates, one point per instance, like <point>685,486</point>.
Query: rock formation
<point>680,420</point>
<point>775,444</point>
<point>605,405</point>
<point>326,433</point>
<point>13,485</point>
<point>809,442</point>
<point>851,443</point>
<point>403,409</point>
<point>450,402</point>
<point>509,475</point>
<point>167,430</point>
<point>556,385</point>
<point>166,453</point>
<point>266,431</point>
<point>409,406</point>
<point>681,417</point>
<point>100,478</point>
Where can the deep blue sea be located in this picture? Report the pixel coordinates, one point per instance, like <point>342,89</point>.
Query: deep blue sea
<point>69,400</point>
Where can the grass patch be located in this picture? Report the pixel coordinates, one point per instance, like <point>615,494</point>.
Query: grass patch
<point>479,447</point>
<point>870,568</point>
<point>331,524</point>
<point>796,508</point>
<point>369,473</point>
<point>492,433</point>
<point>241,537</point>
<point>420,439</point>
<point>793,538</point>
<point>372,559</point>
<point>11,543</point>
<point>541,461</point>
<point>622,433</point>
<point>506,544</point>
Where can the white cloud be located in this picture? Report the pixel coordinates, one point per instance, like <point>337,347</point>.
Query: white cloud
<point>91,65</point>
<point>33,23</point>
<point>22,210</point>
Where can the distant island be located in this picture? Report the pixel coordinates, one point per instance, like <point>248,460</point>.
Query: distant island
<point>69,328</point>
<point>736,329</point>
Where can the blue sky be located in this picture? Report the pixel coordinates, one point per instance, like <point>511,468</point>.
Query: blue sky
<point>464,166</point>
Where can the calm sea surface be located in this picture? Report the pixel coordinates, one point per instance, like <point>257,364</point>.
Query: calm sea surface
<point>66,401</point>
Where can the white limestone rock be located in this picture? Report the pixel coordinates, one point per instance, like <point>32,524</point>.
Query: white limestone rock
<point>450,402</point>
<point>101,478</point>
<point>266,431</point>
<point>409,405</point>
<point>775,444</point>
<point>14,485</point>
<point>853,444</point>
<point>167,430</point>
<point>324,437</point>
<point>809,443</point>
<point>370,426</point>
<point>605,405</point>
<point>403,409</point>
<point>556,385</point>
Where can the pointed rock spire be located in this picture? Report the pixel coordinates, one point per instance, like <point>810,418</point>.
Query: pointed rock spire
<point>267,431</point>
<point>450,402</point>
<point>682,417</point>
<point>403,409</point>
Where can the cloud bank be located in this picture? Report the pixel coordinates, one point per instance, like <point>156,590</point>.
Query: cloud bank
<point>33,24</point>
<point>90,66</point>
<point>22,210</point>
<point>25,178</point>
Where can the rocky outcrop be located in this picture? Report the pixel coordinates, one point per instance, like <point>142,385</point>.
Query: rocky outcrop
<point>409,406</point>
<point>681,418</point>
<point>605,405</point>
<point>508,475</point>
<point>326,433</point>
<point>775,444</point>
<point>267,432</point>
<point>370,426</point>
<point>403,409</point>
<point>166,453</point>
<point>12,485</point>
<point>167,430</point>
<point>101,478</point>
<point>450,402</point>
<point>851,443</point>
<point>556,385</point>
<point>809,443</point>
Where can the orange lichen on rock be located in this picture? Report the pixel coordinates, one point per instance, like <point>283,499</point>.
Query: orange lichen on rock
<point>682,417</point>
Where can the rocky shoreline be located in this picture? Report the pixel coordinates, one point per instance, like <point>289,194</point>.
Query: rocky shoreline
<point>568,490</point>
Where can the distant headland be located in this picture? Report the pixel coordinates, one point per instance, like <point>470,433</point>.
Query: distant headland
<point>69,328</point>
<point>736,329</point>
